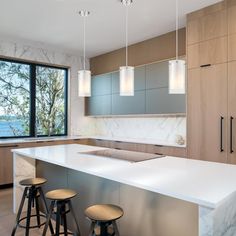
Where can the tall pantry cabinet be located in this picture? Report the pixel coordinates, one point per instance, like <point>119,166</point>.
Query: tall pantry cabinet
<point>211,55</point>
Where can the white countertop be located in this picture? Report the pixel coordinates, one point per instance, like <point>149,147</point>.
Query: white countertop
<point>120,139</point>
<point>37,139</point>
<point>203,183</point>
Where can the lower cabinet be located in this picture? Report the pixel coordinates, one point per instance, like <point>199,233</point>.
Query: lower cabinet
<point>149,148</point>
<point>6,164</point>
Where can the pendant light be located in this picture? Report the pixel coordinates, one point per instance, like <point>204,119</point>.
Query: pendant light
<point>177,68</point>
<point>84,76</point>
<point>126,72</point>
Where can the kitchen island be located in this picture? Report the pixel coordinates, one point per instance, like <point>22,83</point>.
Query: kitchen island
<point>166,196</point>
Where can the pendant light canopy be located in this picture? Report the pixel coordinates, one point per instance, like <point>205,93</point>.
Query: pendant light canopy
<point>126,72</point>
<point>84,76</point>
<point>177,68</point>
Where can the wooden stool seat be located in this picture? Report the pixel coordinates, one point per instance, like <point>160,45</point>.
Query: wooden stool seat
<point>33,182</point>
<point>104,212</point>
<point>102,217</point>
<point>61,206</point>
<point>61,194</point>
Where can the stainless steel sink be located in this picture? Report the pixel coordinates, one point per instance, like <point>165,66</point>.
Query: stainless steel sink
<point>130,156</point>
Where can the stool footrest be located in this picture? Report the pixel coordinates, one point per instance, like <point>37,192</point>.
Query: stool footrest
<point>34,226</point>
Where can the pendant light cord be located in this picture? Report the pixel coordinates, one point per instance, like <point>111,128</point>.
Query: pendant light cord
<point>177,28</point>
<point>126,35</point>
<point>84,42</point>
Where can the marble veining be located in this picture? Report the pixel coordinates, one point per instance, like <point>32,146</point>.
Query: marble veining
<point>166,129</point>
<point>38,52</point>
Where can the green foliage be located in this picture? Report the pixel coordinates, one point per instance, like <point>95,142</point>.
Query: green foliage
<point>15,98</point>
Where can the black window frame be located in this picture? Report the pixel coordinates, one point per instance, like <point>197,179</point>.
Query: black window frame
<point>32,105</point>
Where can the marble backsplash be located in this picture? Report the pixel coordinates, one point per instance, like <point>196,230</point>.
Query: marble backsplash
<point>166,129</point>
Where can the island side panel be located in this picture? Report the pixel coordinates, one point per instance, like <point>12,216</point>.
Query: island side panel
<point>23,168</point>
<point>220,221</point>
<point>146,213</point>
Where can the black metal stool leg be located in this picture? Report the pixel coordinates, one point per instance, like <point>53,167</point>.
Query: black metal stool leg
<point>103,228</point>
<point>74,216</point>
<point>37,211</point>
<point>19,211</point>
<point>30,198</point>
<point>58,217</point>
<point>64,220</point>
<point>92,227</point>
<point>48,218</point>
<point>115,228</point>
<point>46,209</point>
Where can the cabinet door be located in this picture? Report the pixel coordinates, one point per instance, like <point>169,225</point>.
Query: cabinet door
<point>98,105</point>
<point>232,111</point>
<point>122,105</point>
<point>139,80</point>
<point>101,84</point>
<point>209,52</point>
<point>232,17</point>
<point>159,101</point>
<point>213,25</point>
<point>207,103</point>
<point>157,75</point>
<point>6,164</point>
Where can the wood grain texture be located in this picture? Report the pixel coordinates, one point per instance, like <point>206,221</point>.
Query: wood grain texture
<point>149,51</point>
<point>232,47</point>
<point>232,109</point>
<point>212,52</point>
<point>207,102</point>
<point>207,26</point>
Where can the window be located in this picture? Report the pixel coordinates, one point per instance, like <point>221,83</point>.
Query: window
<point>33,100</point>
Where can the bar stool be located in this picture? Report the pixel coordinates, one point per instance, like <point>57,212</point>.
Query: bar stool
<point>104,215</point>
<point>33,192</point>
<point>61,206</point>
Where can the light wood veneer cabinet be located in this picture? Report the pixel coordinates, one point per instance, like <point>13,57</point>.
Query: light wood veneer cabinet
<point>211,54</point>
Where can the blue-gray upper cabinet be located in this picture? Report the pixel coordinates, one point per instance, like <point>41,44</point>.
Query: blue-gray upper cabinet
<point>98,105</point>
<point>139,80</point>
<point>122,105</point>
<point>159,101</point>
<point>157,75</point>
<point>101,84</point>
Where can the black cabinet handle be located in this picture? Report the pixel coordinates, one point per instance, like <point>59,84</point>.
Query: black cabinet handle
<point>206,65</point>
<point>221,134</point>
<point>9,146</point>
<point>231,134</point>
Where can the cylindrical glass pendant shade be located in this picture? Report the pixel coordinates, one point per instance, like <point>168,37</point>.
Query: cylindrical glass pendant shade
<point>126,81</point>
<point>84,77</point>
<point>177,72</point>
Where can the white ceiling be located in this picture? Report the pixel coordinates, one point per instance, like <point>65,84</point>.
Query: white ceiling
<point>55,22</point>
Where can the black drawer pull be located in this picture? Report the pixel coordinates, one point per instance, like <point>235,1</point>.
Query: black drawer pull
<point>231,134</point>
<point>221,134</point>
<point>206,65</point>
<point>156,145</point>
<point>9,146</point>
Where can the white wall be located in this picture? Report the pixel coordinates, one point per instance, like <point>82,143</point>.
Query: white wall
<point>42,53</point>
<point>160,128</point>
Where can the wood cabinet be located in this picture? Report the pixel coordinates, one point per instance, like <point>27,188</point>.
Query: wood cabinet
<point>207,114</point>
<point>149,148</point>
<point>6,164</point>
<point>211,128</point>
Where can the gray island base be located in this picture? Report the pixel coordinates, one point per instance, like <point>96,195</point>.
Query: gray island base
<point>147,213</point>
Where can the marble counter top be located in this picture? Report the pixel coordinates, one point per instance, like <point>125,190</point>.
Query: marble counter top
<point>204,183</point>
<point>9,141</point>
<point>61,138</point>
